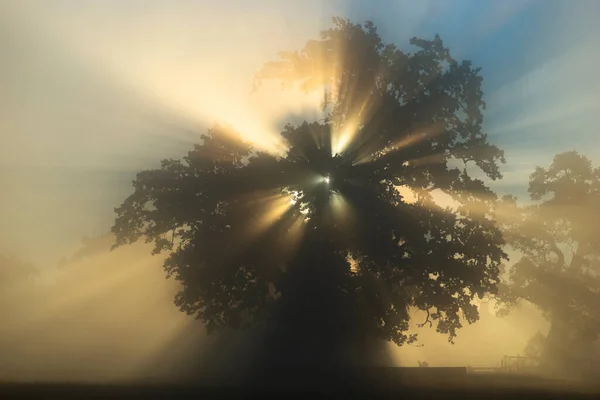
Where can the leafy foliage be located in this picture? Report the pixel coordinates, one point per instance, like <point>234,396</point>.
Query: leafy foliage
<point>321,240</point>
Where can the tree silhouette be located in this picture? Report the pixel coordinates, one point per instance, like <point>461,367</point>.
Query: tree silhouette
<point>559,239</point>
<point>535,345</point>
<point>320,243</point>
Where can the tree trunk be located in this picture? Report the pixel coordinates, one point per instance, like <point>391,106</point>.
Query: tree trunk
<point>317,324</point>
<point>566,350</point>
<point>552,356</point>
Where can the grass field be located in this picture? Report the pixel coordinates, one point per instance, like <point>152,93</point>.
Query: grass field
<point>391,382</point>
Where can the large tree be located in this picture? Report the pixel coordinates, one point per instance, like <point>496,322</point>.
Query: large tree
<point>320,243</point>
<point>558,237</point>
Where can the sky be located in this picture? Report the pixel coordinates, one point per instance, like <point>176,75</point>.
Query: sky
<point>93,91</point>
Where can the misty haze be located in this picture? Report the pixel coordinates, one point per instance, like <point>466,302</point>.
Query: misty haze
<point>195,189</point>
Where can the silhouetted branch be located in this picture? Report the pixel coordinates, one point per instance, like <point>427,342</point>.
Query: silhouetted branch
<point>427,320</point>
<point>560,254</point>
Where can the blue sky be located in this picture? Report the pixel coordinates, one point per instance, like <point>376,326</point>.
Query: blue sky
<point>94,91</point>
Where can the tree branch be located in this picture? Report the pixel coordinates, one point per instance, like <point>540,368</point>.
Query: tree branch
<point>427,320</point>
<point>561,256</point>
<point>577,261</point>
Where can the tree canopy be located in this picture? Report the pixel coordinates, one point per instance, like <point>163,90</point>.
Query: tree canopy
<point>321,241</point>
<point>558,237</point>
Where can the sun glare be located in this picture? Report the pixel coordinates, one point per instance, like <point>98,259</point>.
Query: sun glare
<point>203,88</point>
<point>340,142</point>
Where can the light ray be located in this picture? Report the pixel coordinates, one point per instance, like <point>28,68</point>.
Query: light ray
<point>345,135</point>
<point>408,140</point>
<point>432,159</point>
<point>203,90</point>
<point>274,210</point>
<point>341,211</point>
<point>408,195</point>
<point>277,209</point>
<point>98,320</point>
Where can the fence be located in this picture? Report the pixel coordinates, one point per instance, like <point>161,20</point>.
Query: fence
<point>585,368</point>
<point>519,364</point>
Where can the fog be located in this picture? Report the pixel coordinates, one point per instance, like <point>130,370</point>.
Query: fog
<point>91,94</point>
<point>109,316</point>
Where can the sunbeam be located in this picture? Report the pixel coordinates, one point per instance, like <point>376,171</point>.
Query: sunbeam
<point>410,139</point>
<point>274,210</point>
<point>98,319</point>
<point>201,92</point>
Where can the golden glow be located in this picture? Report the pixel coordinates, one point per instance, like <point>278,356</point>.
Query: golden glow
<point>428,132</point>
<point>361,103</point>
<point>339,144</point>
<point>100,319</point>
<point>342,138</point>
<point>408,195</point>
<point>437,197</point>
<point>115,312</point>
<point>204,86</point>
<point>482,344</point>
<point>274,207</point>
<point>345,135</point>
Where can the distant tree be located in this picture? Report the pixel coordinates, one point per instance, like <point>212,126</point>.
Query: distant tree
<point>559,239</point>
<point>90,247</point>
<point>535,345</point>
<point>320,242</point>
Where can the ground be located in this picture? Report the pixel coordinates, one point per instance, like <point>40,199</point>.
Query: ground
<point>405,382</point>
